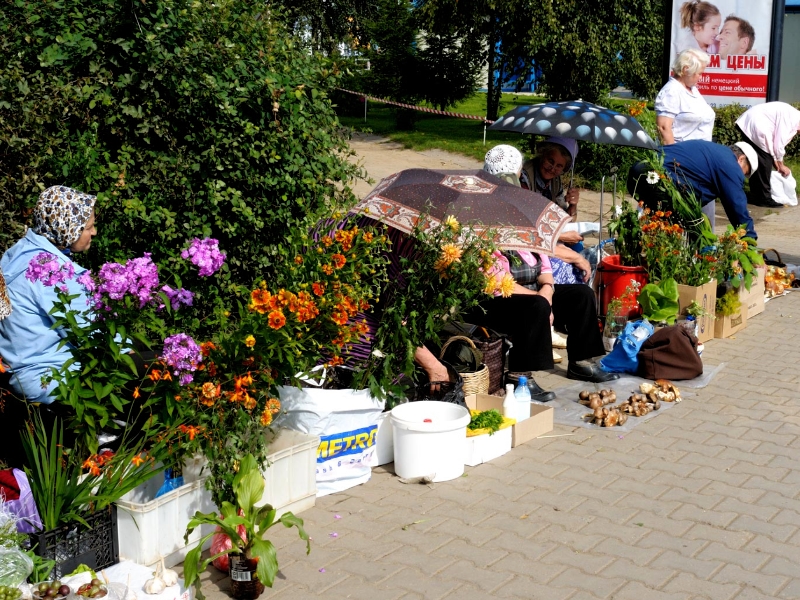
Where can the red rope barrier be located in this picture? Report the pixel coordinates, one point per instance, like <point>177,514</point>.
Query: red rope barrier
<point>434,111</point>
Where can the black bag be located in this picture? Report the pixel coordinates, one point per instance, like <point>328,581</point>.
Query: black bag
<point>670,353</point>
<point>443,391</point>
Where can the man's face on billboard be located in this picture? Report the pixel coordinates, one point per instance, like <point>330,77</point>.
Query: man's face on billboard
<point>729,40</point>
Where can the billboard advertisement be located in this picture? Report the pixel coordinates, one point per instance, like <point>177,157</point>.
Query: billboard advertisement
<point>736,34</point>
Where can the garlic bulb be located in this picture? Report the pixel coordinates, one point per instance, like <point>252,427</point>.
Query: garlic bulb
<point>168,576</point>
<point>155,585</point>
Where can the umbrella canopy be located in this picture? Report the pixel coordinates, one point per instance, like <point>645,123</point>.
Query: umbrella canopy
<point>577,120</point>
<point>520,219</point>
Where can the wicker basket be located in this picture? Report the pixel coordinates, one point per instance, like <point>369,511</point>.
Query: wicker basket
<point>476,382</point>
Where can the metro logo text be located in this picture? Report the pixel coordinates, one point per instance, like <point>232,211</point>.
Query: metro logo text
<point>348,442</point>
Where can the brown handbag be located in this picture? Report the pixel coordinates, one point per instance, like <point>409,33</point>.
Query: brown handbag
<point>670,353</point>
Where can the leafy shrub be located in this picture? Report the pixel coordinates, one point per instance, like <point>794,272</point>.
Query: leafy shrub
<point>189,119</point>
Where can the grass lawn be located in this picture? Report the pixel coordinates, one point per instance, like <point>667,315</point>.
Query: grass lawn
<point>445,133</point>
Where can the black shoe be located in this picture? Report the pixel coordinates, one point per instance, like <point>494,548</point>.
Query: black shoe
<point>537,393</point>
<point>768,202</point>
<point>589,372</point>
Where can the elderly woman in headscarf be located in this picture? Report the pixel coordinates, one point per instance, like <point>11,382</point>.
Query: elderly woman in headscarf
<point>63,223</point>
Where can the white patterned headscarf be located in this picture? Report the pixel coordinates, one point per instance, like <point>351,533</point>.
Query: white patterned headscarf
<point>61,215</point>
<point>5,303</point>
<point>502,159</point>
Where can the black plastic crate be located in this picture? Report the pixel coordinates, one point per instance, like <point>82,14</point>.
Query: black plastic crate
<point>71,545</point>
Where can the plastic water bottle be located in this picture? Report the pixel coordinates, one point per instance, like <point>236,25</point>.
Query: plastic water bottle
<point>523,396</point>
<point>510,403</point>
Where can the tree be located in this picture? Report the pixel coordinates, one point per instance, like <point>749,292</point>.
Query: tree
<point>187,118</point>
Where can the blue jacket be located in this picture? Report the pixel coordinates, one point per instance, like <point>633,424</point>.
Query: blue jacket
<point>30,347</point>
<point>712,171</point>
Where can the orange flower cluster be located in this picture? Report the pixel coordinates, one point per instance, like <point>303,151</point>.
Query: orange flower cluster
<point>209,393</point>
<point>190,430</point>
<point>637,108</point>
<point>3,368</point>
<point>273,305</point>
<point>345,237</point>
<point>344,309</point>
<point>97,461</point>
<point>450,254</point>
<point>272,408</point>
<point>240,392</point>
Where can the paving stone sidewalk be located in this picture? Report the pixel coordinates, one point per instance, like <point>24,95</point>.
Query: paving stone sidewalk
<point>701,502</point>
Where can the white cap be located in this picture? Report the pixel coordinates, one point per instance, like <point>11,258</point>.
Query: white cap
<point>751,155</point>
<point>503,159</point>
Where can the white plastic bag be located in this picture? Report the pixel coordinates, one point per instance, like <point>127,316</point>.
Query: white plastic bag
<point>346,422</point>
<point>15,566</point>
<point>784,189</point>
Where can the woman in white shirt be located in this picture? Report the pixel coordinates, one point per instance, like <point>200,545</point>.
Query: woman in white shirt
<point>681,111</point>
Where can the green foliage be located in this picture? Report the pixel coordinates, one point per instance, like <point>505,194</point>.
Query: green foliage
<point>188,118</point>
<point>737,258</point>
<point>728,304</point>
<point>248,489</point>
<point>626,229</point>
<point>581,47</point>
<point>659,301</point>
<point>442,275</point>
<point>487,419</point>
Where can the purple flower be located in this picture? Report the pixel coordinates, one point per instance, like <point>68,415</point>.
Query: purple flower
<point>205,254</point>
<point>178,297</point>
<point>45,267</point>
<point>137,277</point>
<point>183,354</point>
<point>85,279</point>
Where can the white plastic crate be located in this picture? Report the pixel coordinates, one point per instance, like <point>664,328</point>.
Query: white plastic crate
<point>290,482</point>
<point>151,527</point>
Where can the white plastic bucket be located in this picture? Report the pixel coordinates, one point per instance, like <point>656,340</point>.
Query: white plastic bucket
<point>384,442</point>
<point>430,438</point>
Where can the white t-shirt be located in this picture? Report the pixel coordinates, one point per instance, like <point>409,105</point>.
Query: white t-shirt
<point>693,118</point>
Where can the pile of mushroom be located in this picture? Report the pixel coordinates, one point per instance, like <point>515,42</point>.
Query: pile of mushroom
<point>662,390</point>
<point>597,399</point>
<point>607,417</point>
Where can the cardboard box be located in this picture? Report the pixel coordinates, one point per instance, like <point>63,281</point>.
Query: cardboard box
<point>539,423</point>
<point>727,326</point>
<point>753,300</point>
<point>483,448</point>
<point>706,297</point>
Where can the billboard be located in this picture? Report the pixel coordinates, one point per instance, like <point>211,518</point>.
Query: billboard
<point>736,34</point>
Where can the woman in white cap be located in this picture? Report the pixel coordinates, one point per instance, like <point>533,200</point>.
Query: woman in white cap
<point>63,223</point>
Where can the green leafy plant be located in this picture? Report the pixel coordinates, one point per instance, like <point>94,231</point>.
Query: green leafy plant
<point>487,419</point>
<point>64,492</point>
<point>660,301</point>
<point>248,489</point>
<point>737,257</point>
<point>443,271</point>
<point>625,227</point>
<point>697,311</point>
<point>728,304</point>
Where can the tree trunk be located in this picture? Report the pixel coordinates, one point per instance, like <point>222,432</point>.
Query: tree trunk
<point>491,104</point>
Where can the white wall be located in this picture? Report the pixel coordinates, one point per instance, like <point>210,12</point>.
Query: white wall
<point>790,70</point>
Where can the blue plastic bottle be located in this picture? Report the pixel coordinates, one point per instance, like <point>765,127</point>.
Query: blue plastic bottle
<point>523,395</point>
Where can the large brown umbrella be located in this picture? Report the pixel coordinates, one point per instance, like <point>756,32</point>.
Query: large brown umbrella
<point>520,219</point>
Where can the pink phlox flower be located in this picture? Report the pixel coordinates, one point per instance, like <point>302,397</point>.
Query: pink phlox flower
<point>46,268</point>
<point>204,254</point>
<point>183,354</point>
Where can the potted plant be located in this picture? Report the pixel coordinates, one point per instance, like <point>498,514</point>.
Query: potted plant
<point>617,271</point>
<point>254,563</point>
<point>620,309</point>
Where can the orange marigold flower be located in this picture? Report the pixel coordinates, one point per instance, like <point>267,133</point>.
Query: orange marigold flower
<point>336,361</point>
<point>259,296</point>
<point>307,313</point>
<point>338,260</point>
<point>326,240</point>
<point>266,418</point>
<point>249,402</point>
<point>276,319</point>
<point>318,288</point>
<point>327,269</point>
<point>209,390</point>
<point>298,260</point>
<point>137,460</point>
<point>368,237</point>
<point>249,341</point>
<point>273,405</point>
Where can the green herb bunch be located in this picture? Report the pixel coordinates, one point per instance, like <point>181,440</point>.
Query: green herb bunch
<point>737,258</point>
<point>487,419</point>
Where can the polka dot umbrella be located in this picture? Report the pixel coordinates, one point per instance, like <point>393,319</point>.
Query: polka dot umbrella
<point>578,120</point>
